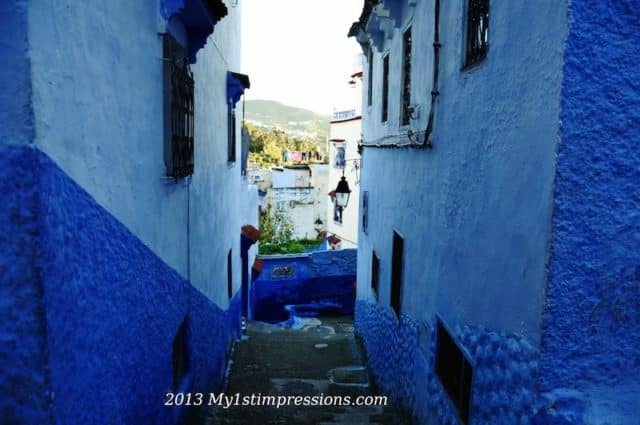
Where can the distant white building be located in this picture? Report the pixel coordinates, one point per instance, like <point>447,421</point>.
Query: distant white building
<point>344,160</point>
<point>299,192</point>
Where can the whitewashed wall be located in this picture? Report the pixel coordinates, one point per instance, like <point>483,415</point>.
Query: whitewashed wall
<point>98,65</point>
<point>350,131</point>
<point>475,210</point>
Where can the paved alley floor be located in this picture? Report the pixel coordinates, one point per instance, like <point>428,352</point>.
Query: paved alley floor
<point>320,359</point>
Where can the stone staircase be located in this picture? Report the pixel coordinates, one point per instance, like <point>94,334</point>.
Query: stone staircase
<point>321,359</point>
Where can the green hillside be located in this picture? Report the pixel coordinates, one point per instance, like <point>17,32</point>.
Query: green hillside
<point>296,122</point>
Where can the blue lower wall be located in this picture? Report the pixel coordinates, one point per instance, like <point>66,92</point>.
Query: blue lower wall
<point>107,309</point>
<point>24,380</point>
<point>319,277</point>
<point>591,332</point>
<point>401,355</point>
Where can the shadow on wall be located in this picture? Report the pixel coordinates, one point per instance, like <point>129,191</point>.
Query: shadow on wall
<point>319,283</point>
<point>97,326</point>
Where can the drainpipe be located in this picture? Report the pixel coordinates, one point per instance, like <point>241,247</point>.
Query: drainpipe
<point>436,71</point>
<point>426,141</point>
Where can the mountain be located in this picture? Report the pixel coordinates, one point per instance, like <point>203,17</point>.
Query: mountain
<point>296,122</point>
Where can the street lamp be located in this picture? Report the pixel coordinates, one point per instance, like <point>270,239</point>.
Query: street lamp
<point>318,225</point>
<point>342,193</point>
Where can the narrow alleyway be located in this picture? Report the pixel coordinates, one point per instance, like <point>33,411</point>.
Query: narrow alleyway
<point>322,358</point>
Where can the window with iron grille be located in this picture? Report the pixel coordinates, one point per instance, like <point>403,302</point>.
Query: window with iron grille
<point>340,157</point>
<point>454,371</point>
<point>230,274</point>
<point>477,31</point>
<point>375,273</point>
<point>396,272</point>
<point>178,109</point>
<point>231,146</point>
<point>406,77</point>
<point>370,77</point>
<point>385,88</point>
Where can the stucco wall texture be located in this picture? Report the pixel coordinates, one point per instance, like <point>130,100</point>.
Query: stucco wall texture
<point>523,236</point>
<point>591,327</point>
<point>98,310</point>
<point>401,357</point>
<point>96,70</point>
<point>318,277</point>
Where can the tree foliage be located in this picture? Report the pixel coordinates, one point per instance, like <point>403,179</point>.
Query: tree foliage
<point>268,146</point>
<point>276,231</point>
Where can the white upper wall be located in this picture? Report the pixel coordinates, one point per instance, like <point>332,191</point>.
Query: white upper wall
<point>350,131</point>
<point>475,210</point>
<point>290,177</point>
<point>98,101</point>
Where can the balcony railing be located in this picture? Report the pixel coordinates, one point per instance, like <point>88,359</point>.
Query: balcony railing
<point>344,115</point>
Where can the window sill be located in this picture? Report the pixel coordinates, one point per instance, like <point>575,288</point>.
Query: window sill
<point>472,66</point>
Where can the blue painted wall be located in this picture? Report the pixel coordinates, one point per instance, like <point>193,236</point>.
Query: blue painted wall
<point>319,277</point>
<point>82,51</point>
<point>89,312</point>
<point>401,356</point>
<point>591,338</point>
<point>24,379</point>
<point>524,233</point>
<point>15,99</point>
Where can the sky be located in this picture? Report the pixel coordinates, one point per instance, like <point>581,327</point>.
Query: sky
<point>297,51</point>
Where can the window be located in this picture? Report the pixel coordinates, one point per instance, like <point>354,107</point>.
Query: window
<point>178,110</point>
<point>454,371</point>
<point>365,211</point>
<point>370,77</point>
<point>340,157</point>
<point>281,205</point>
<point>406,77</point>
<point>231,145</point>
<point>230,273</point>
<point>337,213</point>
<point>385,88</point>
<point>477,31</point>
<point>375,273</point>
<point>283,272</point>
<point>396,272</point>
<point>179,355</point>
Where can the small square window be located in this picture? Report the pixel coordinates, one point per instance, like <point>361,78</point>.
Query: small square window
<point>477,31</point>
<point>375,274</point>
<point>454,371</point>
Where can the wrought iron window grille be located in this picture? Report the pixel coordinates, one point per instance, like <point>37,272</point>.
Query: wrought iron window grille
<point>477,32</point>
<point>179,110</point>
<point>182,122</point>
<point>407,109</point>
